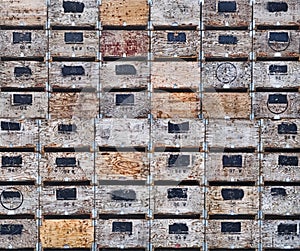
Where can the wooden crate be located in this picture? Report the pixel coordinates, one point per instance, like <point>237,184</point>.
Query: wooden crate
<point>73,13</point>
<point>225,74</point>
<point>18,199</point>
<point>67,166</point>
<point>177,166</point>
<point>19,166</point>
<point>276,74</point>
<point>276,13</point>
<point>281,234</point>
<point>281,167</point>
<point>23,74</point>
<point>122,132</point>
<point>173,233</point>
<point>67,233</point>
<point>235,105</point>
<point>232,233</point>
<point>120,12</point>
<point>226,43</point>
<point>74,74</point>
<point>232,200</point>
<point>179,12</point>
<point>232,133</point>
<point>23,43</point>
<point>280,200</point>
<point>124,73</point>
<point>232,166</point>
<point>18,233</point>
<point>18,133</point>
<point>124,43</point>
<point>125,104</point>
<point>276,43</point>
<point>122,165</point>
<point>128,233</point>
<point>18,12</point>
<point>67,133</point>
<point>66,200</point>
<point>178,133</point>
<point>178,199</point>
<point>77,43</point>
<point>276,105</point>
<point>28,105</point>
<point>280,134</point>
<point>172,74</point>
<point>175,43</point>
<point>226,13</point>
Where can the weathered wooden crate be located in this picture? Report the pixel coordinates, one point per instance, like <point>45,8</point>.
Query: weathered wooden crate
<point>18,12</point>
<point>23,74</point>
<point>177,166</point>
<point>122,132</point>
<point>276,105</point>
<point>179,12</point>
<point>67,133</point>
<point>232,233</point>
<point>276,43</point>
<point>280,234</point>
<point>67,233</point>
<point>18,199</point>
<point>177,233</point>
<point>124,43</point>
<point>74,74</point>
<point>18,133</point>
<point>121,165</point>
<point>128,233</point>
<point>23,43</point>
<point>280,133</point>
<point>226,43</point>
<point>175,43</point>
<point>178,199</point>
<point>276,12</point>
<point>281,167</point>
<point>225,74</point>
<point>77,43</point>
<point>172,74</point>
<point>178,133</point>
<point>73,13</point>
<point>18,233</point>
<point>125,104</point>
<point>276,74</point>
<point>19,166</point>
<point>67,166</point>
<point>120,12</point>
<point>232,133</point>
<point>236,105</point>
<point>66,200</point>
<point>226,13</point>
<point>232,200</point>
<point>232,166</point>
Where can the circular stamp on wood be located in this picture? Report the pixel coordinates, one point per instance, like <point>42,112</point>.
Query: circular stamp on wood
<point>226,72</point>
<point>11,198</point>
<point>279,41</point>
<point>277,103</point>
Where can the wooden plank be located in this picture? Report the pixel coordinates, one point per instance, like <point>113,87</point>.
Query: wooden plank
<point>232,166</point>
<point>128,12</point>
<point>232,234</point>
<point>232,200</point>
<point>71,233</point>
<point>179,12</point>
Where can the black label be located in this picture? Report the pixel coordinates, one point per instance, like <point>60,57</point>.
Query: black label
<point>277,99</point>
<point>232,161</point>
<point>66,194</point>
<point>11,161</point>
<point>277,69</point>
<point>227,6</point>
<point>178,228</point>
<point>10,126</point>
<point>126,195</point>
<point>285,128</point>
<point>287,160</point>
<point>22,71</point>
<point>73,37</point>
<point>230,227</point>
<point>122,227</point>
<point>176,160</point>
<point>232,194</point>
<point>73,7</point>
<point>62,128</point>
<point>11,195</point>
<point>179,38</point>
<point>178,128</point>
<point>22,99</point>
<point>284,229</point>
<point>277,6</point>
<point>125,69</point>
<point>228,39</point>
<point>19,37</point>
<point>282,37</point>
<point>11,229</point>
<point>278,191</point>
<point>177,193</point>
<point>72,71</point>
<point>124,99</point>
<point>65,162</point>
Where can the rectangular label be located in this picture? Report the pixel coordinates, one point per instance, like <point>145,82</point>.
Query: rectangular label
<point>11,229</point>
<point>11,161</point>
<point>231,227</point>
<point>19,37</point>
<point>10,126</point>
<point>73,37</point>
<point>232,193</point>
<point>125,195</point>
<point>176,160</point>
<point>178,228</point>
<point>281,37</point>
<point>288,160</point>
<point>179,38</point>
<point>277,7</point>
<point>227,6</point>
<point>287,229</point>
<point>278,191</point>
<point>73,7</point>
<point>177,193</point>
<point>287,128</point>
<point>66,194</point>
<point>72,71</point>
<point>228,39</point>
<point>122,227</point>
<point>124,99</point>
<point>65,162</point>
<point>178,128</point>
<point>125,69</point>
<point>10,195</point>
<point>232,161</point>
<point>63,128</point>
<point>22,99</point>
<point>277,99</point>
<point>22,71</point>
<point>278,69</point>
